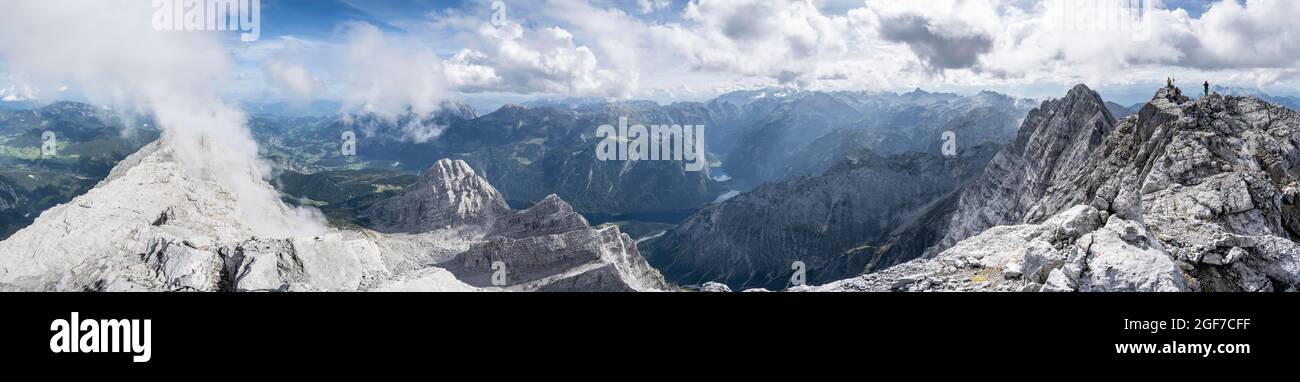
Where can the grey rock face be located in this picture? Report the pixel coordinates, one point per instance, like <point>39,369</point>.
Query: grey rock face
<point>323,263</point>
<point>1196,196</point>
<point>1054,139</point>
<point>559,262</point>
<point>1069,252</point>
<point>713,287</point>
<point>448,194</point>
<point>9,197</point>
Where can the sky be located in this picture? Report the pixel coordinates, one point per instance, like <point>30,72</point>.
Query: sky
<point>388,56</point>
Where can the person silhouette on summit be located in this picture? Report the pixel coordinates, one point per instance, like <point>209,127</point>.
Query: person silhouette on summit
<point>1207,88</point>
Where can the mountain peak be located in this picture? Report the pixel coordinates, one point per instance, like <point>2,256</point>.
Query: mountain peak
<point>449,169</point>
<point>448,194</point>
<point>1058,134</point>
<point>1084,93</point>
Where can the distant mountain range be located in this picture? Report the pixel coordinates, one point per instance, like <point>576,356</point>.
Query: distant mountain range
<point>1069,194</point>
<point>544,147</point>
<point>90,141</point>
<point>1289,102</point>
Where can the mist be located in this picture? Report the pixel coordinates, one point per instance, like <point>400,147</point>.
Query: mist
<point>109,51</point>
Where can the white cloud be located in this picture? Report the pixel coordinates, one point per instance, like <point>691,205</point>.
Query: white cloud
<point>513,58</point>
<point>1256,34</point>
<point>389,78</point>
<point>385,78</point>
<point>109,50</point>
<point>293,79</point>
<point>648,6</point>
<point>772,38</point>
<point>657,47</point>
<point>289,74</point>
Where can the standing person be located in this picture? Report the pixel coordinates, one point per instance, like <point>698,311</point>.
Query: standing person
<point>1207,88</point>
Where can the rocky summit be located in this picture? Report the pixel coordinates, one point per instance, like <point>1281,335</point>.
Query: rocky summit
<point>1185,195</point>
<point>152,225</point>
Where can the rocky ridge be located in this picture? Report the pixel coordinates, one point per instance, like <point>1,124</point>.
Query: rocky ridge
<point>1183,196</point>
<point>152,226</point>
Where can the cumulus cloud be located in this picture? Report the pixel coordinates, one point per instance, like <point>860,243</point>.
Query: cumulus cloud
<point>938,49</point>
<point>1093,41</point>
<point>289,74</point>
<point>773,38</point>
<point>388,77</point>
<point>109,50</point>
<point>391,79</point>
<point>888,43</point>
<point>1254,34</point>
<point>512,58</point>
<point>16,93</point>
<point>648,6</point>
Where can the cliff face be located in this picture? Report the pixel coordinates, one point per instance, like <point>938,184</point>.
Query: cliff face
<point>152,226</point>
<point>1181,196</point>
<point>1055,139</point>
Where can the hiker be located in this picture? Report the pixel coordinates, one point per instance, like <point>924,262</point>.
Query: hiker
<point>1169,82</point>
<point>1207,88</point>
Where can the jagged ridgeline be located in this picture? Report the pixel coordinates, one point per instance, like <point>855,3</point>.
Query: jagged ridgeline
<point>151,225</point>
<point>1179,195</point>
<point>1182,196</point>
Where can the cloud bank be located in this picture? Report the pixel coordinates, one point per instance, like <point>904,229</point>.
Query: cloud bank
<point>108,49</point>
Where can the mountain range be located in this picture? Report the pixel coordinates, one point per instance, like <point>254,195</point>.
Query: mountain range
<point>850,191</point>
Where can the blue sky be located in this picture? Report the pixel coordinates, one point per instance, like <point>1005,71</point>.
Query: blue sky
<point>374,53</point>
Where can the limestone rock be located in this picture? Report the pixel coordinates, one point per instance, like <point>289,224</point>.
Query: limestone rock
<point>448,194</point>
<point>715,287</point>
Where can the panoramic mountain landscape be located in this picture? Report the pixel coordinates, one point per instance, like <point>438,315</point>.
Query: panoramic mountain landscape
<point>694,145</point>
<point>1182,195</point>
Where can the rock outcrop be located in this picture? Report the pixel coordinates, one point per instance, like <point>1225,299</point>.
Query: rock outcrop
<point>449,194</point>
<point>1072,251</point>
<point>153,226</point>
<point>1187,195</point>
